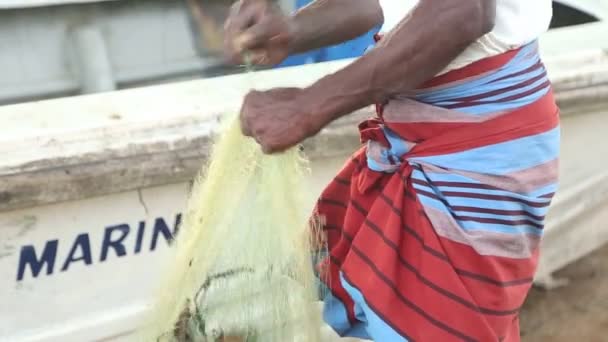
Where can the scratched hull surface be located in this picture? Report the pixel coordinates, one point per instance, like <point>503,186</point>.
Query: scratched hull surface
<point>88,268</point>
<point>85,269</point>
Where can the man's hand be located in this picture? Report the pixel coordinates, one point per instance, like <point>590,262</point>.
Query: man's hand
<point>260,29</point>
<point>278,119</point>
<point>281,118</point>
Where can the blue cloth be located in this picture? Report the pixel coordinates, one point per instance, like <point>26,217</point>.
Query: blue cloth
<point>351,49</point>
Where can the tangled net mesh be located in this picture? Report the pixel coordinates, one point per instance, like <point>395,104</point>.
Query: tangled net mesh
<point>241,265</point>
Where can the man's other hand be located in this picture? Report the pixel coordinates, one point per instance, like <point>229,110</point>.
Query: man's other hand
<point>278,118</point>
<point>259,29</point>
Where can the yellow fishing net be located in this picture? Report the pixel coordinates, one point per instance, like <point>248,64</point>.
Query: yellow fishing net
<point>242,262</point>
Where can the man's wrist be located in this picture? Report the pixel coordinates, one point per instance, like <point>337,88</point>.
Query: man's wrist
<point>329,99</point>
<point>294,35</point>
<point>318,115</point>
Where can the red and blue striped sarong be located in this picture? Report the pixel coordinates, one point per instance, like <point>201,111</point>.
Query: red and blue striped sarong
<point>433,227</point>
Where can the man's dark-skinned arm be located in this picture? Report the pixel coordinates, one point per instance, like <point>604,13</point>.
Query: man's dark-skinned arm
<point>325,22</point>
<point>423,44</point>
<point>260,28</point>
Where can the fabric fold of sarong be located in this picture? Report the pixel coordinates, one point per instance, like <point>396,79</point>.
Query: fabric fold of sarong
<point>433,227</point>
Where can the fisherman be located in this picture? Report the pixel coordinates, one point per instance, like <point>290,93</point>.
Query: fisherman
<point>433,226</point>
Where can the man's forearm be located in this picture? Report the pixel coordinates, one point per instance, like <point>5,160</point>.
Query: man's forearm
<point>327,22</point>
<point>434,34</point>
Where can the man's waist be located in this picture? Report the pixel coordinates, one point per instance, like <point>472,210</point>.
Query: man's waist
<point>486,47</point>
<point>389,143</point>
<point>478,91</point>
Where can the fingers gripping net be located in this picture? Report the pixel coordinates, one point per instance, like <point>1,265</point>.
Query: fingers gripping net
<point>242,264</point>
